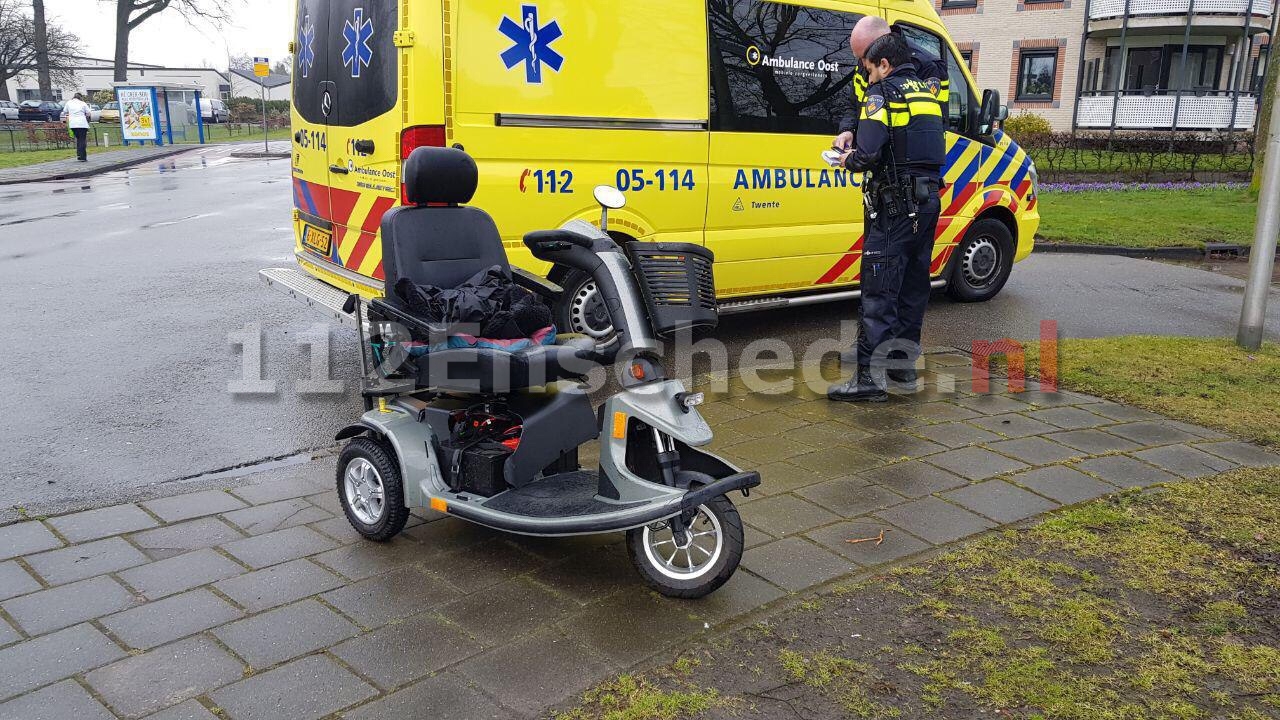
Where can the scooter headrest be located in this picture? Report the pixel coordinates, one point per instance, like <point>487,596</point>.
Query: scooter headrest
<point>440,175</point>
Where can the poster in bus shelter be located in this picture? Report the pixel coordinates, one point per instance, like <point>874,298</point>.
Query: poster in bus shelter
<point>137,114</point>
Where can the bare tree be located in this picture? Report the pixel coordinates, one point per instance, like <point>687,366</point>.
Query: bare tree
<point>132,13</point>
<point>18,48</point>
<point>42,48</point>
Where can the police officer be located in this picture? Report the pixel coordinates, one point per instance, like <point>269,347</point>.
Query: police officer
<point>900,145</point>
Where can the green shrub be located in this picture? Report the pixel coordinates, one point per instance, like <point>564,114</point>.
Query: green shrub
<point>1025,124</point>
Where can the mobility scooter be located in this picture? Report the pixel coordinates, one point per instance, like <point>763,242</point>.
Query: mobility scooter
<point>491,435</point>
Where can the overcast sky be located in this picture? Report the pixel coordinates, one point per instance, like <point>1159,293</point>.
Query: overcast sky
<point>258,27</point>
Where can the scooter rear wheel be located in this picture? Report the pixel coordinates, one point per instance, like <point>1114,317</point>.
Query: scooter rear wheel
<point>703,563</point>
<point>370,489</point>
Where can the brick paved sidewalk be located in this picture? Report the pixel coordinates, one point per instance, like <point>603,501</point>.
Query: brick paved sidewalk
<point>259,602</point>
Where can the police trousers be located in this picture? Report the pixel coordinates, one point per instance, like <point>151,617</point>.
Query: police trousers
<point>896,255</point>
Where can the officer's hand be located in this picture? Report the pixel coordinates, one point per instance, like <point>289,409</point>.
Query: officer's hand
<point>844,158</point>
<point>843,141</point>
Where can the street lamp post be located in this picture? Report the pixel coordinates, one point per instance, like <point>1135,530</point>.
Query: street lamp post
<point>1263,255</point>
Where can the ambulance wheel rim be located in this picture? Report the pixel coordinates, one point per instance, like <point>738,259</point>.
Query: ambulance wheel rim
<point>980,262</point>
<point>704,543</point>
<point>364,492</point>
<point>587,313</point>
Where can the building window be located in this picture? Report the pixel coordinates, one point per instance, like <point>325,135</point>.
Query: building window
<point>958,4</point>
<point>1260,68</point>
<point>1036,72</point>
<point>967,57</point>
<point>1156,70</point>
<point>779,68</point>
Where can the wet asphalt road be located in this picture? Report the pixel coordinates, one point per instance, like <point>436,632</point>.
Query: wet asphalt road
<point>120,295</point>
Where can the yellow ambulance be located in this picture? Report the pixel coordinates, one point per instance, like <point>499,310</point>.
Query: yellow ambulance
<point>711,115</point>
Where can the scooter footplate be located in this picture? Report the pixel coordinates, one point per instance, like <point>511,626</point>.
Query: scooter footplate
<point>571,494</point>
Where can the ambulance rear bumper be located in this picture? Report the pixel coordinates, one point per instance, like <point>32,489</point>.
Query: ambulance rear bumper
<point>314,293</point>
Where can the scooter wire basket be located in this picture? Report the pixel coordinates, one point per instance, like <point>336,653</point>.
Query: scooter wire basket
<point>678,285</point>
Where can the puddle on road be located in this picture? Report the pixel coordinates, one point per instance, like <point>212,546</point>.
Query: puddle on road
<point>167,223</point>
<point>1235,267</point>
<point>23,221</point>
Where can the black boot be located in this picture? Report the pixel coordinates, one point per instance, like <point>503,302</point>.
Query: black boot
<point>862,388</point>
<point>904,379</point>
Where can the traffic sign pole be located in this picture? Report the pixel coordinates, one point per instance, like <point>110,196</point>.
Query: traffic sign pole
<point>262,68</point>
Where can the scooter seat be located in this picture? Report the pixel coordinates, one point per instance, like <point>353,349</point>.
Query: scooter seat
<point>487,371</point>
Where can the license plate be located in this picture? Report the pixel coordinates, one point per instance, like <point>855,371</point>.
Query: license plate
<point>313,238</point>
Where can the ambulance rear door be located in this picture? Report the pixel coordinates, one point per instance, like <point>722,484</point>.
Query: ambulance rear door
<point>363,128</point>
<point>310,123</point>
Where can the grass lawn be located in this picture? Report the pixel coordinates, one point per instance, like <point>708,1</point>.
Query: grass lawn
<point>1141,605</point>
<point>1148,218</point>
<point>1209,382</point>
<point>31,157</point>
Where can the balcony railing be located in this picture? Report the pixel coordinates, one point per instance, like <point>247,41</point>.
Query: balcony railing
<point>1212,112</point>
<point>1102,9</point>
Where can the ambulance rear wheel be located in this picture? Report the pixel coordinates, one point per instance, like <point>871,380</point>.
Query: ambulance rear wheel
<point>581,309</point>
<point>370,489</point>
<point>982,262</point>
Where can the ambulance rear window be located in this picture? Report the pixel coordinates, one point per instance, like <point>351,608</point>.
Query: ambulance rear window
<point>345,47</point>
<point>779,68</point>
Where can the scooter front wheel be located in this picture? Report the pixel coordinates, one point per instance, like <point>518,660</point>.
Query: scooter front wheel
<point>370,489</point>
<point>705,560</point>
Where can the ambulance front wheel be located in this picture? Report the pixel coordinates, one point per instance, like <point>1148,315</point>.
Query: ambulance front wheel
<point>370,489</point>
<point>982,262</point>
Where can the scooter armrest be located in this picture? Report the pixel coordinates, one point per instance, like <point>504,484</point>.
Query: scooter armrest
<point>559,239</point>
<point>699,495</point>
<point>413,323</point>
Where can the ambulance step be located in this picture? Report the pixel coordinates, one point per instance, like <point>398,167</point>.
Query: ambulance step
<point>299,285</point>
<point>734,307</point>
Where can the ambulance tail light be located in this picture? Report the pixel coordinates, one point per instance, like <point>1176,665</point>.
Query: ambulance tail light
<point>412,138</point>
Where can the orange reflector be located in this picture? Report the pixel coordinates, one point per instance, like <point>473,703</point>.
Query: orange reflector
<point>439,505</point>
<point>619,425</point>
<point>637,371</point>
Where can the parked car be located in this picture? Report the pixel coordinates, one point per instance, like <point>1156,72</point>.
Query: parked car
<point>95,113</point>
<point>8,110</point>
<point>39,110</point>
<point>211,109</point>
<point>109,113</point>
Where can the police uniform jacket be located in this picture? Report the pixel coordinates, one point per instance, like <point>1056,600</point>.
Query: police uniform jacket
<point>930,69</point>
<point>907,108</point>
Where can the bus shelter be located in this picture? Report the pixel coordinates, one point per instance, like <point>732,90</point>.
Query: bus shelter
<point>159,111</point>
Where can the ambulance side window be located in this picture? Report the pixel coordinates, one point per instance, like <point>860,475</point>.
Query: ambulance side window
<point>929,44</point>
<point>779,68</point>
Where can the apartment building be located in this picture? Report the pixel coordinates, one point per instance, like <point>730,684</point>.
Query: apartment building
<point>1186,65</point>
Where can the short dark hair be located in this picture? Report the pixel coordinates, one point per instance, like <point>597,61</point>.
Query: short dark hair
<point>889,47</point>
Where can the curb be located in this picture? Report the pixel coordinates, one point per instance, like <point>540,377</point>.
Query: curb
<point>262,155</point>
<point>89,172</point>
<point>1176,253</point>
